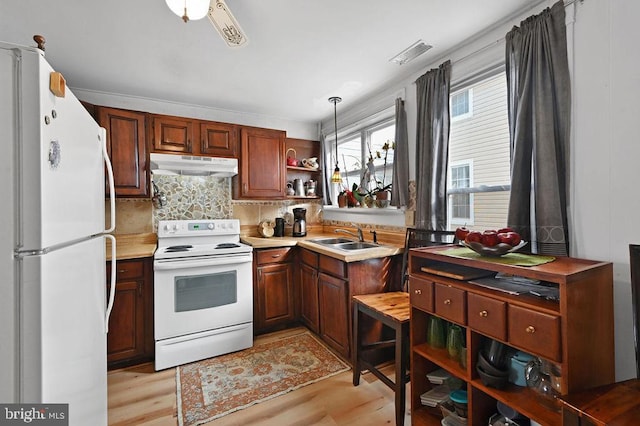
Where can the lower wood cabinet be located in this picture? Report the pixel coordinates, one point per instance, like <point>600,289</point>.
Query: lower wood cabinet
<point>326,288</point>
<point>274,301</point>
<point>334,312</point>
<point>130,337</point>
<point>309,308</point>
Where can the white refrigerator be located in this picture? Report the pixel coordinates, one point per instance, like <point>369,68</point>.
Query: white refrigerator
<point>54,305</point>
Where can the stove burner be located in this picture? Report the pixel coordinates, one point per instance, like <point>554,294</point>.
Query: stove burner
<point>227,245</point>
<point>173,249</point>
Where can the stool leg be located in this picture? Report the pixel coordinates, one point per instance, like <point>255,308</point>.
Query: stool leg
<point>401,367</point>
<point>357,347</point>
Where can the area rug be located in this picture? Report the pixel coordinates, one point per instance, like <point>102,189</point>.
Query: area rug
<point>218,386</point>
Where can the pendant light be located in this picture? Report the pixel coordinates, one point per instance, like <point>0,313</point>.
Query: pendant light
<point>335,177</point>
<point>189,9</point>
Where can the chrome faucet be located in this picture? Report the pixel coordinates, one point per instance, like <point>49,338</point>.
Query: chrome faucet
<point>360,236</point>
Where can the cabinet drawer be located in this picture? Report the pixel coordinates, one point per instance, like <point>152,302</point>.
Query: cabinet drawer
<point>309,257</point>
<point>276,255</point>
<point>333,266</point>
<point>421,293</point>
<point>487,316</point>
<point>450,303</point>
<point>126,270</point>
<point>535,332</point>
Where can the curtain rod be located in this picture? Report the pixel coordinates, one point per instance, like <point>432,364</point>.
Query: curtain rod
<point>500,40</point>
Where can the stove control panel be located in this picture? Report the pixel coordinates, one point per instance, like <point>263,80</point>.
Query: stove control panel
<point>174,228</point>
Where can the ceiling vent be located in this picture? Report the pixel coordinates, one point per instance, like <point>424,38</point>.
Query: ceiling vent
<point>411,52</point>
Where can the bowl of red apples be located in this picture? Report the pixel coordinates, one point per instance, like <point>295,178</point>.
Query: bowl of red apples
<point>490,242</point>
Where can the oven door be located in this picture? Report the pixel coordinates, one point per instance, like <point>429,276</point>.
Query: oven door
<point>199,294</point>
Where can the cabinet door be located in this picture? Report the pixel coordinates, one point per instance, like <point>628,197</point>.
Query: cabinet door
<point>262,169</point>
<point>172,134</point>
<point>309,297</point>
<point>130,337</point>
<point>334,325</point>
<point>126,145</point>
<point>275,295</point>
<point>125,339</point>
<point>218,139</point>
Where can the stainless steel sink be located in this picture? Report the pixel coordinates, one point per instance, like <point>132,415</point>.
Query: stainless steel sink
<point>332,241</point>
<point>356,245</point>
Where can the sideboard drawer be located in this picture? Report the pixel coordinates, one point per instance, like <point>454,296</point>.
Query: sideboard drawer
<point>528,329</point>
<point>450,303</point>
<point>487,316</point>
<point>421,293</point>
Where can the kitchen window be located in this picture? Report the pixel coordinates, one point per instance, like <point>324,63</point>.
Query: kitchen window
<point>479,159</point>
<point>358,146</point>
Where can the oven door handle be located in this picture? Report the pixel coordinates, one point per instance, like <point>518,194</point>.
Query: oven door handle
<point>167,265</point>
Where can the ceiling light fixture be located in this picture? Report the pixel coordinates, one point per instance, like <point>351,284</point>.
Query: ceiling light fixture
<point>226,24</point>
<point>189,9</point>
<point>411,52</point>
<point>335,177</point>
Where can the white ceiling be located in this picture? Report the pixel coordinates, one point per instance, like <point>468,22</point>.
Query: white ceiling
<point>300,52</point>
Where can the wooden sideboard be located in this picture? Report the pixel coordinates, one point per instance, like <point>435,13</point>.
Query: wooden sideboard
<point>575,332</point>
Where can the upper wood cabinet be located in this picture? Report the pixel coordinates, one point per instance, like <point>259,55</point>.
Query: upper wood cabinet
<point>171,134</point>
<point>218,139</point>
<point>262,164</point>
<point>126,145</point>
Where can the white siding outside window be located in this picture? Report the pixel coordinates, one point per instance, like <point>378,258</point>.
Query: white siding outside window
<point>482,140</point>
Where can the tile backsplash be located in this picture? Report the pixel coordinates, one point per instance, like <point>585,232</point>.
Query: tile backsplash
<point>205,197</point>
<point>133,216</point>
<point>193,197</point>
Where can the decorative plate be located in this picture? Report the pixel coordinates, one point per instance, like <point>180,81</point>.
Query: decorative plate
<point>498,250</point>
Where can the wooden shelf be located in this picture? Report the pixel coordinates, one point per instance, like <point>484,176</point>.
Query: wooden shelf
<point>564,330</point>
<point>303,169</point>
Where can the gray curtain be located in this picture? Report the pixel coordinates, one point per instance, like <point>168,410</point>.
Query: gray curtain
<point>400,188</point>
<point>539,99</point>
<point>432,146</point>
<point>327,170</point>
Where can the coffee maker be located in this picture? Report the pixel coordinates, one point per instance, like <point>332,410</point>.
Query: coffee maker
<point>299,222</point>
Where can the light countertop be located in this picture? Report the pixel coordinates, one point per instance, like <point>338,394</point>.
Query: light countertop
<point>133,246</point>
<point>383,250</point>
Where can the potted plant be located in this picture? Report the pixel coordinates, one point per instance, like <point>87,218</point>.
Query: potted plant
<point>380,193</point>
<point>347,198</point>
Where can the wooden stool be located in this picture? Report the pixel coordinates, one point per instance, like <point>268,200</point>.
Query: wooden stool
<point>391,309</point>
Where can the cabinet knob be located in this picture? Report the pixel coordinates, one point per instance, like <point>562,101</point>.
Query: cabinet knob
<point>417,291</point>
<point>275,256</point>
<point>447,301</point>
<point>484,314</point>
<point>530,329</point>
<point>120,271</point>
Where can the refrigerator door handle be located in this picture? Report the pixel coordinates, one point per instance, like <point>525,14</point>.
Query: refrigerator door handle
<point>112,288</point>
<point>112,191</point>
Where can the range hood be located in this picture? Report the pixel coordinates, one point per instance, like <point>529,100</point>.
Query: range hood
<point>173,164</point>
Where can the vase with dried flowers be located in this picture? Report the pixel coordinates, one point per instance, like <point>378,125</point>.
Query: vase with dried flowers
<point>373,190</point>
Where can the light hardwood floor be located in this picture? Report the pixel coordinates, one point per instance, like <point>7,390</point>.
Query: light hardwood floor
<point>140,396</point>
